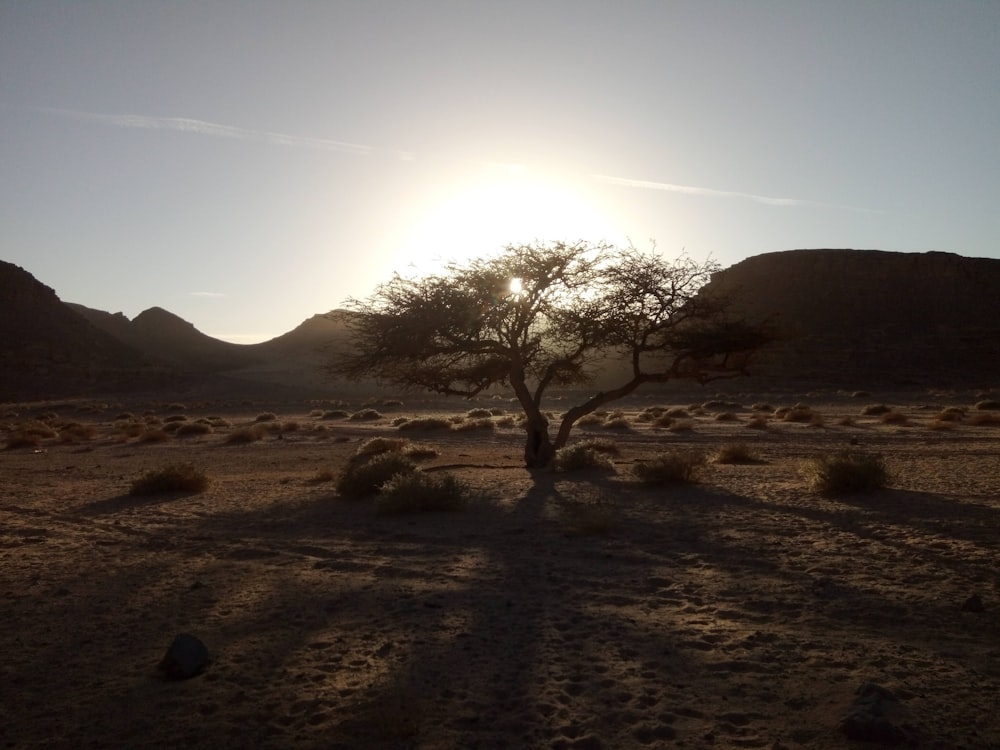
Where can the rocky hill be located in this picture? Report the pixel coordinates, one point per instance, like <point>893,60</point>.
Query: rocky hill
<point>866,316</point>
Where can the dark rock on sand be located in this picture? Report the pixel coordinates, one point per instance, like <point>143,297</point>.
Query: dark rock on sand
<point>186,657</point>
<point>877,715</point>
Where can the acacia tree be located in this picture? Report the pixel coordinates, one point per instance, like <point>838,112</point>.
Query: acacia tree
<point>540,316</point>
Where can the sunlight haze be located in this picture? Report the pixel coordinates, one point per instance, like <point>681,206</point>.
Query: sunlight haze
<point>247,165</point>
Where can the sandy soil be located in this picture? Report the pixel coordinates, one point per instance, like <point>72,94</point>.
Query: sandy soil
<point>557,611</point>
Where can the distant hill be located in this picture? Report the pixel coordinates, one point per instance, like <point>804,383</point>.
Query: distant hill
<point>49,349</point>
<point>166,337</point>
<point>856,316</point>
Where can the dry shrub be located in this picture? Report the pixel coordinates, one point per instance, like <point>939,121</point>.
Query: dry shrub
<point>760,406</point>
<point>606,446</point>
<point>419,451</point>
<point>377,445</point>
<point>243,435</point>
<point>126,416</point>
<point>736,453</point>
<point>365,415</point>
<point>940,425</point>
<point>726,416</point>
<point>681,425</point>
<point>797,413</point>
<point>717,406</point>
<point>324,475</point>
<point>951,414</point>
<point>478,413</point>
<point>173,478</point>
<point>988,405</point>
<point>426,424</point>
<point>893,417</point>
<point>74,431</point>
<point>875,410</point>
<point>982,419</point>
<point>678,413</point>
<point>266,416</point>
<point>758,422</point>
<point>335,414</point>
<point>590,420</point>
<point>193,428</point>
<point>617,422</point>
<point>861,394</point>
<point>581,457</point>
<point>175,418</point>
<point>674,467</point>
<point>845,421</point>
<point>35,430</point>
<point>506,421</point>
<point>847,472</point>
<point>154,436</point>
<point>469,425</point>
<point>359,479</point>
<point>176,406</point>
<point>419,492</point>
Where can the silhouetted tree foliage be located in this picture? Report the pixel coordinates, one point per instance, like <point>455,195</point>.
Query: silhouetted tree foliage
<point>579,305</point>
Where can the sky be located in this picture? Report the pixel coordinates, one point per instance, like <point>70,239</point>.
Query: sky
<point>247,165</point>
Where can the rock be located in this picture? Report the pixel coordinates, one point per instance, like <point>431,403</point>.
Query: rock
<point>973,604</point>
<point>186,657</point>
<point>877,715</point>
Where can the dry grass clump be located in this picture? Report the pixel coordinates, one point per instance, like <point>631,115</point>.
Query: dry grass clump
<point>984,419</point>
<point>988,405</point>
<point>176,406</point>
<point>590,420</point>
<point>74,431</point>
<point>726,416</point>
<point>478,413</point>
<point>717,406</point>
<point>736,453</point>
<point>175,418</point>
<point>29,435</point>
<point>173,478</point>
<point>674,467</point>
<point>951,414</point>
<point>365,415</point>
<point>681,425</point>
<point>506,421</point>
<point>581,457</point>
<point>359,479</point>
<point>321,476</point>
<point>799,413</point>
<point>425,423</point>
<point>617,421</point>
<point>893,417</point>
<point>377,445</point>
<point>847,472</point>
<point>266,416</point>
<point>418,492</point>
<point>875,410</point>
<point>193,428</point>
<point>470,425</point>
<point>606,446</point>
<point>243,435</point>
<point>758,422</point>
<point>761,406</point>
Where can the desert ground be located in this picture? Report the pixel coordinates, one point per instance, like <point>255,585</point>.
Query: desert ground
<point>557,610</point>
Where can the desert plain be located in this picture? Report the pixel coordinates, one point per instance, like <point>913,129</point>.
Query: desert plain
<point>557,610</point>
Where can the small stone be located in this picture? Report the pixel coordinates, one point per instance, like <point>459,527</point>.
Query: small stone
<point>187,657</point>
<point>974,604</point>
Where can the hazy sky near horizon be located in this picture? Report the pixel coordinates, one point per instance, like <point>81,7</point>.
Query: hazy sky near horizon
<point>247,165</point>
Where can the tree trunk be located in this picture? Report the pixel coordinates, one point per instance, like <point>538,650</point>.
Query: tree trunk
<point>538,450</point>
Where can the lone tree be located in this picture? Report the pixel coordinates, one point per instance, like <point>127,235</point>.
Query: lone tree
<point>544,315</point>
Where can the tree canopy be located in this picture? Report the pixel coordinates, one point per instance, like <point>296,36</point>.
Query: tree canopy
<point>539,316</point>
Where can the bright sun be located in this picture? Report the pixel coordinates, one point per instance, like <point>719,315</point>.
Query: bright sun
<point>507,206</point>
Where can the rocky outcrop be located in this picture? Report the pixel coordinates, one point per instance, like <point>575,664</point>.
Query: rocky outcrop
<point>859,316</point>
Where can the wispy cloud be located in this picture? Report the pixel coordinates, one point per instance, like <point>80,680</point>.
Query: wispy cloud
<point>212,295</point>
<point>713,193</point>
<point>202,127</point>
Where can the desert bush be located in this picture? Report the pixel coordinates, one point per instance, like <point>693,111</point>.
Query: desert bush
<point>359,479</point>
<point>845,421</point>
<point>243,435</point>
<point>940,425</point>
<point>193,428</point>
<point>175,418</point>
<point>469,425</point>
<point>126,416</point>
<point>674,467</point>
<point>496,411</point>
<point>35,429</point>
<point>736,453</point>
<point>419,451</point>
<point>606,446</point>
<point>76,431</point>
<point>590,420</point>
<point>581,457</point>
<point>478,413</point>
<point>266,416</point>
<point>988,405</point>
<point>983,419</point>
<point>506,421</point>
<point>419,492</point>
<point>893,417</point>
<point>678,413</point>
<point>875,410</point>
<point>176,406</point>
<point>219,422</point>
<point>365,415</point>
<point>681,425</point>
<point>617,422</point>
<point>426,423</point>
<point>797,413</point>
<point>154,436</point>
<point>716,406</point>
<point>861,394</point>
<point>22,440</point>
<point>761,406</point>
<point>321,476</point>
<point>847,472</point>
<point>173,478</point>
<point>951,414</point>
<point>376,445</point>
<point>758,422</point>
<point>726,416</point>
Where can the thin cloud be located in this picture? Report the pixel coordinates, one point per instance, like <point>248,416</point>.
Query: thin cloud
<point>213,295</point>
<point>713,193</point>
<point>202,127</point>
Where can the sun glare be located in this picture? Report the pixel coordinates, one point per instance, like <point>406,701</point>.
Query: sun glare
<point>515,286</point>
<point>505,206</point>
